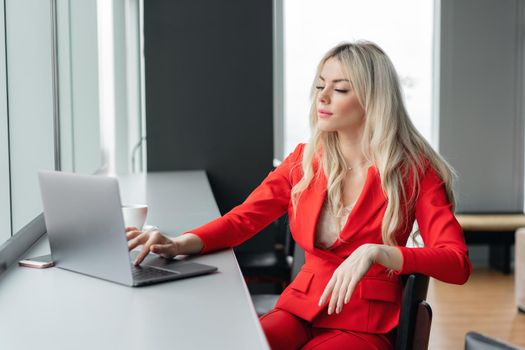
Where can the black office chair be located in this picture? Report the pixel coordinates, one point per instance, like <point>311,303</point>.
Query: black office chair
<point>415,318</point>
<point>270,266</point>
<point>477,341</point>
<point>265,302</point>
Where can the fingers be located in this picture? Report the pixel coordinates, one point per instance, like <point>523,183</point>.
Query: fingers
<point>137,239</point>
<point>131,228</point>
<point>150,239</point>
<point>132,234</point>
<point>142,255</point>
<point>339,289</point>
<point>168,250</point>
<point>335,293</point>
<point>327,290</point>
<point>340,294</point>
<point>154,238</point>
<point>349,291</point>
<point>345,279</point>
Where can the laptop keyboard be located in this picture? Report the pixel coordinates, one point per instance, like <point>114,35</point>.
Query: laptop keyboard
<point>145,272</point>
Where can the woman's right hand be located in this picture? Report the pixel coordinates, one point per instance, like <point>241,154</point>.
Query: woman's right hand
<point>154,241</point>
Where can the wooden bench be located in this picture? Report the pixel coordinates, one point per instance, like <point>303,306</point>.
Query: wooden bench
<point>497,230</point>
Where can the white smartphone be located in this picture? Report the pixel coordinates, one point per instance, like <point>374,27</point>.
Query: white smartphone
<point>39,262</point>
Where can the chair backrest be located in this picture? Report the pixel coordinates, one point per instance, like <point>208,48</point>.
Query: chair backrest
<point>477,341</point>
<point>415,317</point>
<point>423,323</point>
<point>289,243</point>
<point>283,236</point>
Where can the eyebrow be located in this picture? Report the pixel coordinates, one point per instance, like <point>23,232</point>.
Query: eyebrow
<point>335,80</point>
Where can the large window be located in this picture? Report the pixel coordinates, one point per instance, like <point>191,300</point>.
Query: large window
<point>30,103</point>
<point>26,109</point>
<point>5,200</point>
<point>54,96</point>
<point>312,27</point>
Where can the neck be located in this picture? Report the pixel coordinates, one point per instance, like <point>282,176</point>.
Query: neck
<point>350,143</point>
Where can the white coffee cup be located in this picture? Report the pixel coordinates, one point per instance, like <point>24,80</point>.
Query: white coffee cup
<point>135,215</point>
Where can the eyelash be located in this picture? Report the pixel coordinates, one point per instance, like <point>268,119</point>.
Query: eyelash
<point>338,90</point>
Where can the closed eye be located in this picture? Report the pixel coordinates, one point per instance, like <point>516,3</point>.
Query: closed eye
<point>342,91</point>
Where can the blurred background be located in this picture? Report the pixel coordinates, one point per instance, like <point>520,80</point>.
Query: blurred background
<point>129,86</point>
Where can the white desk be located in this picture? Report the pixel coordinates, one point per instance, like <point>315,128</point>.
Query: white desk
<point>57,309</point>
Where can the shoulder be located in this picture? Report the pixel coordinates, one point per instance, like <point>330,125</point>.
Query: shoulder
<point>421,170</point>
<point>299,149</point>
<point>297,153</point>
<point>291,166</point>
<point>293,158</point>
<point>420,177</point>
<point>430,173</point>
<point>430,179</point>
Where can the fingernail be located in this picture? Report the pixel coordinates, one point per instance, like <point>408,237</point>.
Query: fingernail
<point>330,311</point>
<point>136,262</point>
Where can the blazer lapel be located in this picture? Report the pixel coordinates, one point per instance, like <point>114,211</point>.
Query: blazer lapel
<point>367,207</point>
<point>314,197</point>
<point>310,204</point>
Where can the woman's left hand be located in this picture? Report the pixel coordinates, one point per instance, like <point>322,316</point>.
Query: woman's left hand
<point>346,277</point>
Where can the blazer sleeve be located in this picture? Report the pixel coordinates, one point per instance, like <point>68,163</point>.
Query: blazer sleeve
<point>445,255</point>
<point>264,205</point>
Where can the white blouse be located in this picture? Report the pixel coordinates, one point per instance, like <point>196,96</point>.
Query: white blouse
<point>329,226</point>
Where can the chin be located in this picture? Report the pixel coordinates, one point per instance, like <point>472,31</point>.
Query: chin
<point>325,127</point>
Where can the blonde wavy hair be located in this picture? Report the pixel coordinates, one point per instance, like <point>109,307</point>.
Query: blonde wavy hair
<point>390,140</point>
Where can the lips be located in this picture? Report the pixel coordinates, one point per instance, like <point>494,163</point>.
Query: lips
<point>323,113</point>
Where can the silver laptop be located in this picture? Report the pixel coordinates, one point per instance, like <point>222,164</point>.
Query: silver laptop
<point>86,232</point>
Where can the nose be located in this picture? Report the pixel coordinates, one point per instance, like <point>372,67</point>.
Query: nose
<point>323,97</point>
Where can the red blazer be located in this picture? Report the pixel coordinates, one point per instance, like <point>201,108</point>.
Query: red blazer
<point>374,305</point>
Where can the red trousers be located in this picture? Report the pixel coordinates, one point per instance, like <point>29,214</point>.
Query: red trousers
<point>285,331</point>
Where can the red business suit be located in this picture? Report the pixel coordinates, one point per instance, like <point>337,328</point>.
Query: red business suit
<point>374,305</point>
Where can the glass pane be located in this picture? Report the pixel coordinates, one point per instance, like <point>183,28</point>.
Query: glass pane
<point>29,69</point>
<point>128,100</point>
<point>93,115</point>
<point>79,93</point>
<point>312,27</point>
<point>5,210</point>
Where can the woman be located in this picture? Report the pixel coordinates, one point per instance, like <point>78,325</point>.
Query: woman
<point>352,195</point>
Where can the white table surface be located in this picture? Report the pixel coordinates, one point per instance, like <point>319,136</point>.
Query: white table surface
<point>57,309</point>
